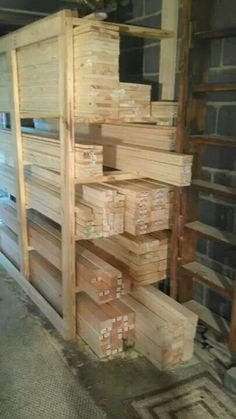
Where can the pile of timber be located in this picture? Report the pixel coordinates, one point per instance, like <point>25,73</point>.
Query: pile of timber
<point>134,103</point>
<point>164,112</point>
<point>148,205</point>
<point>164,329</point>
<point>7,152</point>
<point>46,278</point>
<point>96,70</point>
<point>9,244</point>
<point>45,152</point>
<point>164,166</point>
<point>104,327</point>
<point>8,214</point>
<point>143,258</point>
<point>99,209</point>
<point>159,137</point>
<point>99,279</point>
<point>107,206</point>
<point>8,179</point>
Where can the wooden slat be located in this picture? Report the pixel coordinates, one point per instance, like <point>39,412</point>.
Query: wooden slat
<point>212,233</point>
<point>214,87</point>
<point>214,188</point>
<point>168,49</point>
<point>34,295</point>
<point>110,176</point>
<point>132,30</point>
<point>67,181</point>
<point>214,140</point>
<point>210,319</point>
<point>215,34</point>
<point>209,277</point>
<point>20,188</point>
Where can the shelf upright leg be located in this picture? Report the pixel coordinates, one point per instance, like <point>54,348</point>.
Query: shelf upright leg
<point>19,164</point>
<point>66,88</point>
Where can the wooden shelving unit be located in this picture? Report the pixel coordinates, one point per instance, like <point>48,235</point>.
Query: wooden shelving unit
<point>56,102</point>
<point>197,55</point>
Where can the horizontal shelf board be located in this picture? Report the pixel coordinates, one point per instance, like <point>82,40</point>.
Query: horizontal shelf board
<point>210,319</point>
<point>215,34</point>
<point>132,30</point>
<point>212,233</point>
<point>214,188</point>
<point>214,140</point>
<point>109,177</point>
<point>213,279</point>
<point>214,87</point>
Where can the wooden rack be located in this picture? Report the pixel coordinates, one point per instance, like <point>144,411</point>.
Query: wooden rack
<point>22,46</point>
<point>198,16</point>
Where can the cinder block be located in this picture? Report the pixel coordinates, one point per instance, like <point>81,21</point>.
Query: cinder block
<point>229,57</point>
<point>215,52</point>
<point>151,59</point>
<point>227,120</point>
<point>152,6</point>
<point>222,253</point>
<point>218,303</point>
<point>220,75</point>
<point>210,122</point>
<point>230,380</point>
<point>219,158</point>
<point>216,214</point>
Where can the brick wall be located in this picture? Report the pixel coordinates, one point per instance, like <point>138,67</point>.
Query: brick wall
<point>219,162</point>
<point>139,63</point>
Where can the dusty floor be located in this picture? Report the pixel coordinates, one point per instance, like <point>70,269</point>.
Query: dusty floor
<point>41,376</point>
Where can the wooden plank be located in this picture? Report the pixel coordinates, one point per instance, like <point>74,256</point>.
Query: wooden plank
<point>210,319</point>
<point>220,140</point>
<point>232,331</point>
<point>109,176</point>
<point>20,188</point>
<point>132,30</point>
<point>214,87</point>
<point>212,233</point>
<point>67,181</point>
<point>45,28</point>
<point>33,294</point>
<point>215,34</point>
<point>209,277</point>
<point>168,51</point>
<point>214,188</point>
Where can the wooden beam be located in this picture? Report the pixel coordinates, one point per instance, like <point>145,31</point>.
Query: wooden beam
<point>33,294</point>
<point>66,87</point>
<point>19,165</point>
<point>168,52</point>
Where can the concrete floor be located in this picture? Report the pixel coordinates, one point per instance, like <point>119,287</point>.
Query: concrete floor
<point>41,376</point>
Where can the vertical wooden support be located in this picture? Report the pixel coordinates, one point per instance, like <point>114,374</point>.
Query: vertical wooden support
<point>178,214</point>
<point>66,88</point>
<point>19,165</point>
<point>232,333</point>
<point>168,51</point>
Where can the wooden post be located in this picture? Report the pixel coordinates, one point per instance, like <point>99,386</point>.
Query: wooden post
<point>168,51</point>
<point>66,88</point>
<point>19,165</point>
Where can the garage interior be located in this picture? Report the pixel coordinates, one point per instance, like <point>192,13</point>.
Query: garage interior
<point>145,102</point>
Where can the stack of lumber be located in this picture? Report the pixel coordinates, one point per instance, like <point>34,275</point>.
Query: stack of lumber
<point>164,166</point>
<point>9,244</point>
<point>144,258</point>
<point>134,103</point>
<point>7,152</point>
<point>164,329</point>
<point>8,214</point>
<point>43,175</point>
<point>99,279</point>
<point>159,137</point>
<point>164,112</point>
<point>46,279</point>
<point>45,152</point>
<point>8,179</point>
<point>104,327</point>
<point>148,205</point>
<point>107,207</point>
<point>96,66</point>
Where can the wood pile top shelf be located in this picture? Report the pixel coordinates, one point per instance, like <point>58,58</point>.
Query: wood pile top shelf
<point>212,233</point>
<point>209,139</point>
<point>209,277</point>
<point>214,188</point>
<point>214,87</point>
<point>215,34</point>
